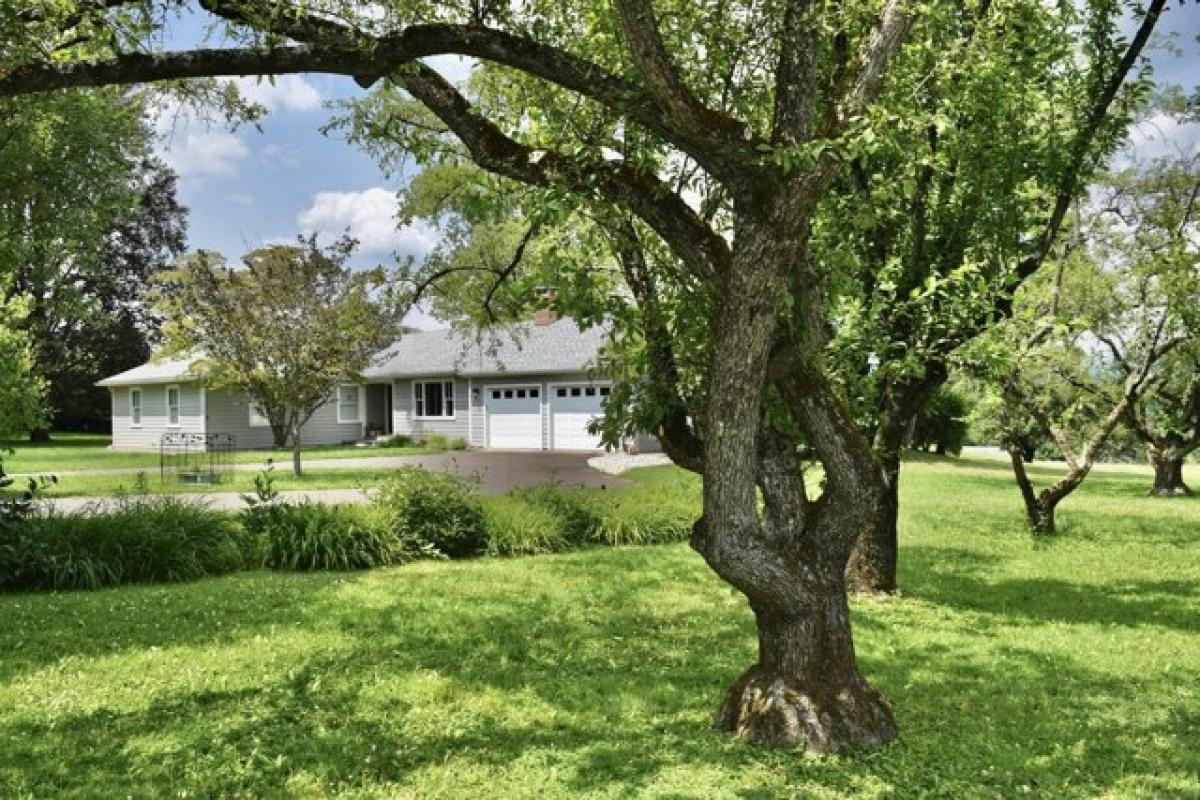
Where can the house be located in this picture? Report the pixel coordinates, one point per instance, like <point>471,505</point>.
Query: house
<point>535,386</point>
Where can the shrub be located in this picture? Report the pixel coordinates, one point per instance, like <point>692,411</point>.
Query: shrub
<point>457,443</point>
<point>517,527</point>
<point>141,539</point>
<point>397,440</point>
<point>431,511</point>
<point>436,441</point>
<point>578,520</point>
<point>310,536</point>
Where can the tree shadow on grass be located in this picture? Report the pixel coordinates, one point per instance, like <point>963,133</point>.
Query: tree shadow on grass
<point>604,668</point>
<point>952,577</point>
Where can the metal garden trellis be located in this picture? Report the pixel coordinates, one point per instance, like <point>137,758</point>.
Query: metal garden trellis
<point>204,458</point>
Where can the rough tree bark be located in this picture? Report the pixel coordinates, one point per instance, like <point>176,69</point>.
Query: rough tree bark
<point>1167,463</point>
<point>874,561</point>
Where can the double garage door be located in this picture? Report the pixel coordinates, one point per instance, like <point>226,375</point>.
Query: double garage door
<point>515,416</point>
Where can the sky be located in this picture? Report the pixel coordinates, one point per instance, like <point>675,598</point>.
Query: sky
<point>249,187</point>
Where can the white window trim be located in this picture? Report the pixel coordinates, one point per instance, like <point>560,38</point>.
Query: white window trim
<point>453,396</point>
<point>178,423</point>
<point>358,406</point>
<point>254,416</point>
<point>141,406</point>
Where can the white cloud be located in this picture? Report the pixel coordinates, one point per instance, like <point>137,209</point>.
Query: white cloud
<point>194,147</point>
<point>287,92</point>
<point>370,217</point>
<point>205,154</point>
<point>277,155</point>
<point>1162,136</point>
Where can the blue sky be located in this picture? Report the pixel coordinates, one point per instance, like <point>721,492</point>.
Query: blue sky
<point>248,187</point>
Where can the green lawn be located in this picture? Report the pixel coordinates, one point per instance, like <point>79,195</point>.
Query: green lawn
<point>1061,669</point>
<point>81,451</point>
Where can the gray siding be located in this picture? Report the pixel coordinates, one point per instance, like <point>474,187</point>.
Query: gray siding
<point>404,422</point>
<point>154,415</point>
<point>470,419</point>
<point>229,412</point>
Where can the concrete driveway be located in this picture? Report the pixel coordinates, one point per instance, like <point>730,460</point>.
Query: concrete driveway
<point>497,472</point>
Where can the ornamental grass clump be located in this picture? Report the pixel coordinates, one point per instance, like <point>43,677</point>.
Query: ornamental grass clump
<point>136,539</point>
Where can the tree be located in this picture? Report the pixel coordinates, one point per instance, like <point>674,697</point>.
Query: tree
<point>1155,210</point>
<point>83,265</point>
<point>755,109</point>
<point>115,329</point>
<point>935,223</point>
<point>1092,342</point>
<point>21,389</point>
<point>1167,421</point>
<point>286,328</point>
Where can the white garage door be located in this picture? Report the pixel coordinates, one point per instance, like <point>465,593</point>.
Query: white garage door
<point>514,417</point>
<point>572,408</point>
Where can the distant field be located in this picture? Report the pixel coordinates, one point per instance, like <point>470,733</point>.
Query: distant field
<point>82,451</point>
<point>1064,668</point>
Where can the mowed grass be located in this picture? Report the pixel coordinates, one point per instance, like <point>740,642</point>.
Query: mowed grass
<point>1067,668</point>
<point>86,451</point>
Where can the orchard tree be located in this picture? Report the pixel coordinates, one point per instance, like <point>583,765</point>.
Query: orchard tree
<point>286,327</point>
<point>1154,210</point>
<point>1167,421</point>
<point>702,139</point>
<point>1087,346</point>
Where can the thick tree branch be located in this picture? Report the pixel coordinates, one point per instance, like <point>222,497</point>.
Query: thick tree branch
<point>696,244</point>
<point>1069,183</point>
<point>796,75</point>
<point>723,145</point>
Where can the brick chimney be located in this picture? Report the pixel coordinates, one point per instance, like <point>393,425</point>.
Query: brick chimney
<point>544,315</point>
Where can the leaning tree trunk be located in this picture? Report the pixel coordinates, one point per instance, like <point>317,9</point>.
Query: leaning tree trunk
<point>1168,473</point>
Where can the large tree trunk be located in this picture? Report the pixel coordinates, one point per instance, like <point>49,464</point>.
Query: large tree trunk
<point>806,686</point>
<point>39,435</point>
<point>872,567</point>
<point>1168,473</point>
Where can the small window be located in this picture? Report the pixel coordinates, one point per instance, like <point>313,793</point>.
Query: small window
<point>135,407</point>
<point>347,403</point>
<point>574,391</point>
<point>533,392</point>
<point>495,394</point>
<point>590,391</point>
<point>561,392</point>
<point>521,393</point>
<point>604,391</point>
<point>508,393</point>
<point>173,405</point>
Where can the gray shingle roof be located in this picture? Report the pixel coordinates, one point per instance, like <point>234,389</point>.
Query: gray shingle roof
<point>164,371</point>
<point>522,348</point>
